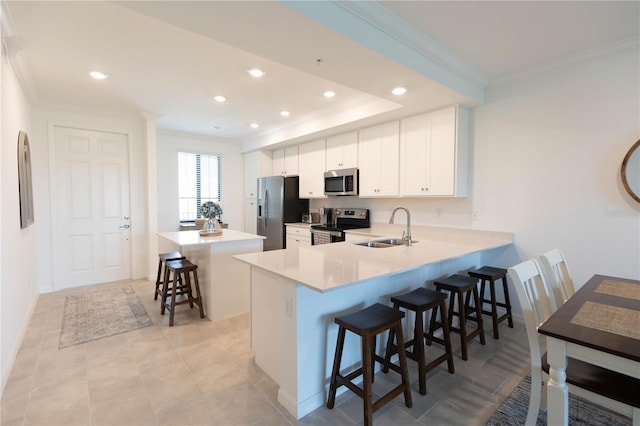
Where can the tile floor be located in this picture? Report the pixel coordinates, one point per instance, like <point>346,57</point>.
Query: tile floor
<point>200,372</point>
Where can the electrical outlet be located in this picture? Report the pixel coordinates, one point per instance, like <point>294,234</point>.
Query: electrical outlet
<point>439,212</point>
<point>474,215</point>
<point>288,308</point>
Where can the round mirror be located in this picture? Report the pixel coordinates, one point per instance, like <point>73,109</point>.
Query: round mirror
<point>631,171</point>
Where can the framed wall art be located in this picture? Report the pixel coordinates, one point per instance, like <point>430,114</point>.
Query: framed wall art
<point>25,186</point>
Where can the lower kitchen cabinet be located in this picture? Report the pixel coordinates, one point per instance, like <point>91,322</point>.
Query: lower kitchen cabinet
<point>298,236</point>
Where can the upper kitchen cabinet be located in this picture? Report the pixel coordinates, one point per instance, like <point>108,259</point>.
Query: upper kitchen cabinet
<point>434,154</point>
<point>311,160</point>
<point>285,161</point>
<point>342,151</point>
<point>256,164</point>
<point>378,157</point>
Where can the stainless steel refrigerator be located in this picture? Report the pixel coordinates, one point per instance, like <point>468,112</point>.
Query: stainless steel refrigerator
<point>278,203</point>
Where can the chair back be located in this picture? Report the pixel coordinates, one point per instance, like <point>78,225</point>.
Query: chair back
<point>558,275</point>
<point>534,301</point>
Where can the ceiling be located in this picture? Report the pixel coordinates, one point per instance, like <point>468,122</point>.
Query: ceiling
<point>168,59</point>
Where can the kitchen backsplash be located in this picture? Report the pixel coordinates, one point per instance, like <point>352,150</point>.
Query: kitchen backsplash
<point>441,211</point>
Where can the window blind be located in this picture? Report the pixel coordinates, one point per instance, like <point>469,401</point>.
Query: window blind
<point>199,180</point>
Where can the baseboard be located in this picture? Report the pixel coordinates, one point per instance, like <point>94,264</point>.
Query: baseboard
<point>11,359</point>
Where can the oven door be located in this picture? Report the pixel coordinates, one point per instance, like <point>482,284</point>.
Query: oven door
<point>325,236</point>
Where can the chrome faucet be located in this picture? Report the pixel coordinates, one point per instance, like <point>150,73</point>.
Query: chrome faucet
<point>406,235</point>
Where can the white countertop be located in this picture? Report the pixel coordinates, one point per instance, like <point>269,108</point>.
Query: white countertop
<point>331,266</point>
<point>193,238</point>
<point>305,225</point>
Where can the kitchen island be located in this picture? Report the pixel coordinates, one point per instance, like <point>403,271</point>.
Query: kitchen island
<point>297,293</point>
<point>224,281</point>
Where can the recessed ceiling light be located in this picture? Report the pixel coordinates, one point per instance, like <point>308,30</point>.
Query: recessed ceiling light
<point>254,125</point>
<point>215,128</point>
<point>98,75</point>
<point>284,113</point>
<point>219,98</point>
<point>329,94</point>
<point>255,72</point>
<point>399,91</point>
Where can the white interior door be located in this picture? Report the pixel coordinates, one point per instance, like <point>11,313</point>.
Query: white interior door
<point>90,201</point>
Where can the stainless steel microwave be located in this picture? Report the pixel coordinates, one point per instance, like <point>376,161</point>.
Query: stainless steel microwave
<point>341,182</point>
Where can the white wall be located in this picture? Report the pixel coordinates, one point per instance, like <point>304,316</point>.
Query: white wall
<point>168,145</point>
<point>546,165</point>
<point>19,256</point>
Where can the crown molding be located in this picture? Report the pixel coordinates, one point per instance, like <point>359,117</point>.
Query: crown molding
<point>12,52</point>
<point>618,48</point>
<point>376,27</point>
<point>388,22</point>
<point>313,125</point>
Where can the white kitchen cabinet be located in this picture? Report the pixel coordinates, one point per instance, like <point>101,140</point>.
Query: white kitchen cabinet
<point>251,215</point>
<point>285,161</point>
<point>297,236</point>
<point>434,154</point>
<point>378,160</point>
<point>311,159</point>
<point>342,151</point>
<point>256,164</point>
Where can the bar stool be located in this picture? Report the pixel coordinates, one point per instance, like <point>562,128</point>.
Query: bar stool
<point>463,287</point>
<point>162,270</point>
<point>367,324</point>
<point>491,274</point>
<point>181,285</point>
<point>420,301</point>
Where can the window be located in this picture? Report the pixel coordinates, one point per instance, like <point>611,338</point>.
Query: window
<point>198,181</point>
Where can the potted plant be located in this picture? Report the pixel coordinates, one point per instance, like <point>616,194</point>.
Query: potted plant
<point>211,211</point>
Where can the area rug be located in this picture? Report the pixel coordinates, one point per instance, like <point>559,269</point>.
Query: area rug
<point>513,411</point>
<point>101,313</point>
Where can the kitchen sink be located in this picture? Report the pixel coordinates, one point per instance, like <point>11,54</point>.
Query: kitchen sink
<point>388,242</point>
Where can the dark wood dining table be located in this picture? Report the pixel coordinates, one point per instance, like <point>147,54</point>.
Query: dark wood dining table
<point>599,324</point>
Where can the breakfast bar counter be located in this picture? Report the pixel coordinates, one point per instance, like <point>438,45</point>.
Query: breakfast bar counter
<point>296,294</point>
<point>224,281</point>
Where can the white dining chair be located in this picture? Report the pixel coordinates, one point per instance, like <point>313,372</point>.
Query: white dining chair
<point>533,295</point>
<point>536,308</point>
<point>557,275</point>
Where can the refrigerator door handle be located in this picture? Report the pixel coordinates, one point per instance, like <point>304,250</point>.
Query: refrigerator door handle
<point>266,208</point>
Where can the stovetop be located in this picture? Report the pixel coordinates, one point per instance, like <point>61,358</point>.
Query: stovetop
<point>347,219</point>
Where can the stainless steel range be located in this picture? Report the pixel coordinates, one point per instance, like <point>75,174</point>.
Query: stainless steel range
<point>343,219</point>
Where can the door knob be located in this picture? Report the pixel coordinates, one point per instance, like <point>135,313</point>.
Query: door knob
<point>125,226</point>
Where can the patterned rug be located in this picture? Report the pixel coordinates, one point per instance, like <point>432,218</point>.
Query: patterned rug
<point>101,313</point>
<point>513,411</point>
